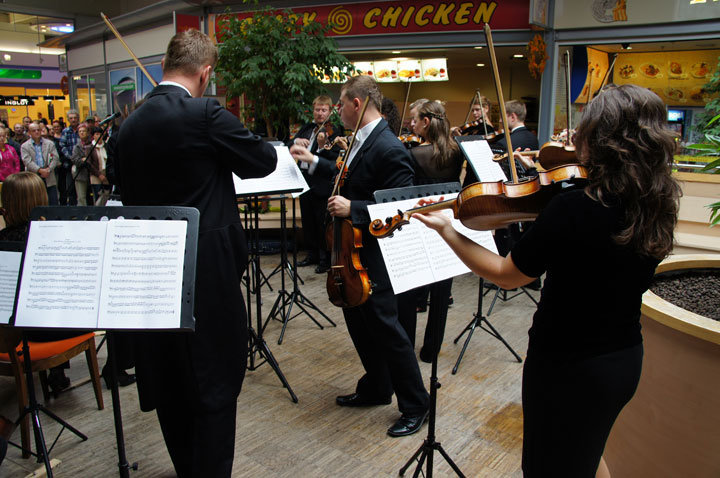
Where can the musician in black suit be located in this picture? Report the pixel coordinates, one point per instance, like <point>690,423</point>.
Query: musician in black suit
<point>180,149</point>
<point>313,202</point>
<point>522,139</point>
<point>376,161</point>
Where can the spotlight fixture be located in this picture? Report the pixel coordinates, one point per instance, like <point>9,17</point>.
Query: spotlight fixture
<point>479,64</point>
<point>518,55</point>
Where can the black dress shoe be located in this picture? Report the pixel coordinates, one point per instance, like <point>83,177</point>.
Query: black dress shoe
<point>57,381</point>
<point>322,267</point>
<point>357,400</point>
<point>309,260</point>
<point>408,424</point>
<point>124,379</point>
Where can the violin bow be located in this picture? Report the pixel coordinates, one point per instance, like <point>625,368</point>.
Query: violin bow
<point>135,58</point>
<point>607,74</point>
<point>567,91</point>
<point>501,100</point>
<point>402,119</point>
<point>590,82</point>
<point>336,187</point>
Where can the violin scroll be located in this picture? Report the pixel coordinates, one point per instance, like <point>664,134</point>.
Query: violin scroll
<point>381,230</point>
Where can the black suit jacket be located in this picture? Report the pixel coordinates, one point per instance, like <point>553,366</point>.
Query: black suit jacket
<point>382,162</point>
<point>319,186</point>
<point>521,138</point>
<point>181,151</point>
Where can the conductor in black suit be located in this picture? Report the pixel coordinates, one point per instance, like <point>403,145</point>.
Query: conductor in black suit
<point>376,161</point>
<point>313,202</point>
<point>181,149</point>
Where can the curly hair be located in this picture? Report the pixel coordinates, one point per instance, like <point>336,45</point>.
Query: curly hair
<point>627,149</point>
<point>391,114</point>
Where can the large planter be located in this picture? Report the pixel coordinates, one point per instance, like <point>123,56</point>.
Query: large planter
<point>671,427</point>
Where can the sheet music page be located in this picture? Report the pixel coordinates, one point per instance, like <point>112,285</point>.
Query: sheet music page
<point>480,156</point>
<point>285,177</point>
<point>9,271</point>
<point>417,255</point>
<point>60,284</point>
<point>142,274</point>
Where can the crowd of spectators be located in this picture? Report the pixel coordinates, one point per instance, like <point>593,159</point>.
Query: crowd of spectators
<point>60,154</point>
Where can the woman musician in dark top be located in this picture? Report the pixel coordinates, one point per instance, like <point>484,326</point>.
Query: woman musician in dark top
<point>585,350</point>
<point>437,160</point>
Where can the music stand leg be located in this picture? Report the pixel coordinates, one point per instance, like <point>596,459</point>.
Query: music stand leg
<point>478,321</point>
<point>429,445</point>
<point>123,465</point>
<point>256,342</point>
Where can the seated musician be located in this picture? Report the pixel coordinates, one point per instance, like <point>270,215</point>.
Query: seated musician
<point>314,201</point>
<point>480,120</point>
<point>585,352</point>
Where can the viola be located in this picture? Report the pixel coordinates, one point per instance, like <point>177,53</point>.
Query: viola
<point>348,283</point>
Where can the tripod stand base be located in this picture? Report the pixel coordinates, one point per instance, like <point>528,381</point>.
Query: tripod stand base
<point>425,453</point>
<point>258,345</point>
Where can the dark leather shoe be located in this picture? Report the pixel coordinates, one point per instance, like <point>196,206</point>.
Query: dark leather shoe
<point>123,378</point>
<point>322,267</point>
<point>307,261</point>
<point>408,424</point>
<point>357,400</point>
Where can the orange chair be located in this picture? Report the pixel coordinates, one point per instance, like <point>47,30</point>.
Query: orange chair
<point>44,355</point>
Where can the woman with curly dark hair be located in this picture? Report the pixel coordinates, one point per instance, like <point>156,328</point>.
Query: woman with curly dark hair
<point>599,247</point>
<point>390,112</point>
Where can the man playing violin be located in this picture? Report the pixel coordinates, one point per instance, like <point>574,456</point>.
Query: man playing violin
<point>480,124</point>
<point>377,160</point>
<point>314,201</point>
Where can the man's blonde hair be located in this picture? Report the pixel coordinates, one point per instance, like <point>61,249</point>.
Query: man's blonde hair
<point>517,107</point>
<point>360,87</point>
<point>188,52</point>
<point>323,100</point>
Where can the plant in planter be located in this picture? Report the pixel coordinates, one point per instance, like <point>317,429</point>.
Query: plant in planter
<point>711,148</point>
<point>277,59</point>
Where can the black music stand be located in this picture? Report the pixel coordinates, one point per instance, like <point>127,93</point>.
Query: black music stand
<point>503,295</point>
<point>424,453</point>
<point>187,321</point>
<point>257,345</point>
<point>282,308</point>
<point>481,321</point>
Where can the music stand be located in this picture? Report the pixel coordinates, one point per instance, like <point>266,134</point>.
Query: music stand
<point>479,320</point>
<point>257,345</point>
<point>187,321</point>
<point>425,452</point>
<point>282,308</point>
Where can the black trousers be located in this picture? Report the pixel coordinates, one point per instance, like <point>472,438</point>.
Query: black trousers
<point>569,408</point>
<point>386,354</point>
<point>437,314</point>
<point>201,443</point>
<point>312,209</point>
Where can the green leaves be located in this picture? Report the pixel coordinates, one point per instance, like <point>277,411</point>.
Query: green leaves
<point>274,60</point>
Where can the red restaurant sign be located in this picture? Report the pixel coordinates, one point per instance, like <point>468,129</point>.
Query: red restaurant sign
<point>373,18</point>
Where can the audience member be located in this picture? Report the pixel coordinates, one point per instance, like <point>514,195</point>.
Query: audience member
<point>80,170</point>
<point>97,164</point>
<point>40,156</point>
<point>9,160</point>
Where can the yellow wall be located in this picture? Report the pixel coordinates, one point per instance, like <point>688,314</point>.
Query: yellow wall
<point>15,114</point>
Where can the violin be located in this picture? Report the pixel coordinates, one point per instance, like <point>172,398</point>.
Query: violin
<point>552,154</point>
<point>410,140</point>
<point>348,283</point>
<point>467,127</point>
<point>341,141</point>
<point>491,205</point>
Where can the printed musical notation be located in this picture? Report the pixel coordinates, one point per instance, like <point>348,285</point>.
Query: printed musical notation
<point>417,255</point>
<point>286,177</point>
<point>107,274</point>
<point>9,270</point>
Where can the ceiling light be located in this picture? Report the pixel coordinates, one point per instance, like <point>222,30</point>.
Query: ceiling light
<point>396,52</point>
<point>517,55</point>
<point>480,64</point>
<point>7,57</point>
<point>478,47</point>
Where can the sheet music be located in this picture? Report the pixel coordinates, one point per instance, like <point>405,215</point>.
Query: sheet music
<point>142,274</point>
<point>60,284</point>
<point>480,157</point>
<point>286,177</point>
<point>417,255</point>
<point>9,271</point>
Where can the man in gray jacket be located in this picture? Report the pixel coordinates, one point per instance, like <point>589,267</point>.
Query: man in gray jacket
<point>40,156</point>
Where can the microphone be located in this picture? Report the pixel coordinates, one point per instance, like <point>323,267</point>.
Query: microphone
<point>109,119</point>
